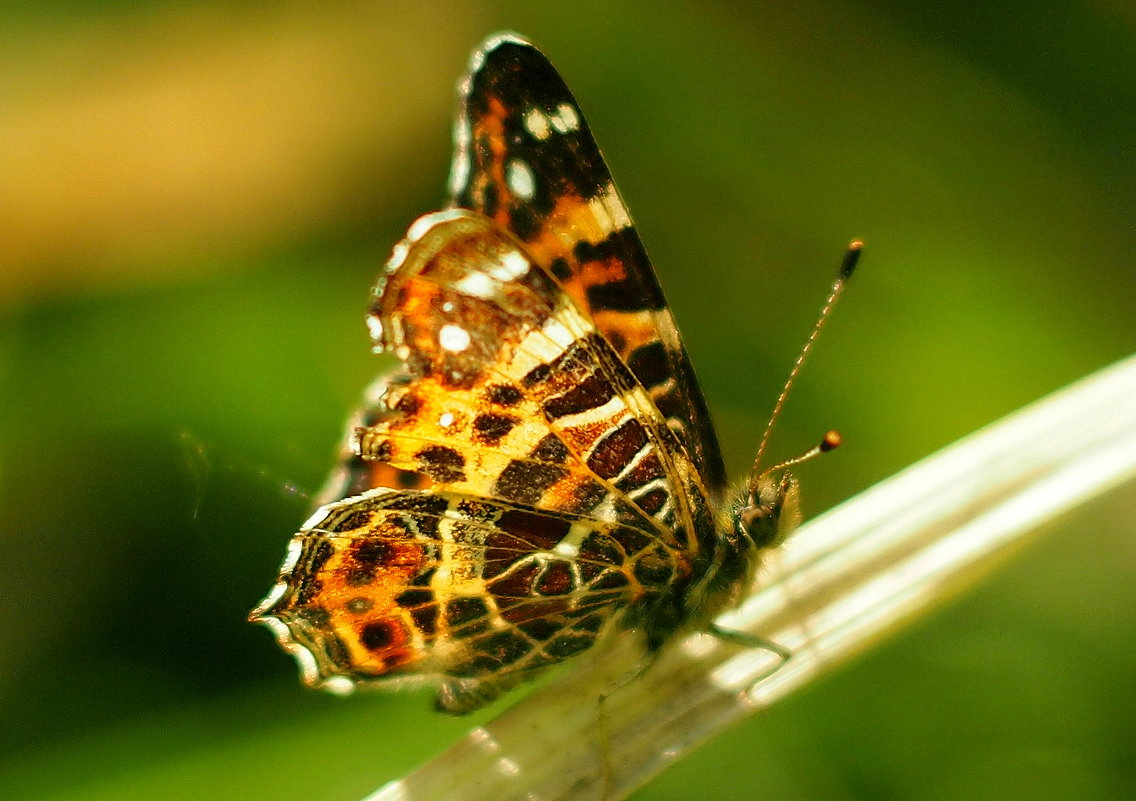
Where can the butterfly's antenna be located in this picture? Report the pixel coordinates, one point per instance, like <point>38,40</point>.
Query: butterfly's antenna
<point>832,438</point>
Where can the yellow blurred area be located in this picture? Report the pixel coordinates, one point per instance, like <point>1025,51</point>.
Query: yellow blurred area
<point>127,143</point>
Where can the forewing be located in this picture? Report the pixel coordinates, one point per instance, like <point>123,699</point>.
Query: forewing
<point>526,159</point>
<point>512,392</point>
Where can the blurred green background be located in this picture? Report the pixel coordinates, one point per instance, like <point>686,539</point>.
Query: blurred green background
<point>195,198</point>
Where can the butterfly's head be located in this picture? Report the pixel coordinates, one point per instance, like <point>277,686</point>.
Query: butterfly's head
<point>770,510</point>
<point>770,505</point>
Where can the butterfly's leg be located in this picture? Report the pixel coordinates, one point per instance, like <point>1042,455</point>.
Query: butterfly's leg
<point>747,640</point>
<point>642,665</point>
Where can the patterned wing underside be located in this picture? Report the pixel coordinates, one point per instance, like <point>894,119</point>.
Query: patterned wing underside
<point>513,394</point>
<point>526,159</point>
<point>480,593</point>
<point>557,494</point>
<point>354,475</point>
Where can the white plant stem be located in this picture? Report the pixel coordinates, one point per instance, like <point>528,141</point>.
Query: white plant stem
<point>844,581</point>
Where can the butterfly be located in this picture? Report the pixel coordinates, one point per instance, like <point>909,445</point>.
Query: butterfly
<point>541,469</point>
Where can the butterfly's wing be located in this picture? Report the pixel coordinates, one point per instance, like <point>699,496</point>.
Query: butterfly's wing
<point>513,393</point>
<point>526,159</point>
<point>559,496</point>
<point>353,475</point>
<point>469,593</point>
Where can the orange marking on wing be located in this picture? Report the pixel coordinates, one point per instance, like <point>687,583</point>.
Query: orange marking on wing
<point>381,474</point>
<point>489,130</point>
<point>627,330</point>
<point>378,639</point>
<point>604,271</point>
<point>571,220</point>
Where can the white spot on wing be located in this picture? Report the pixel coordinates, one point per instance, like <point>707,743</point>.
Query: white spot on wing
<point>339,685</point>
<point>453,338</point>
<point>478,285</point>
<point>519,177</point>
<point>536,123</point>
<point>538,347</point>
<point>511,266</point>
<point>565,118</point>
<point>446,419</point>
<point>398,256</point>
<point>556,331</point>
<point>419,227</point>
<point>459,171</point>
<point>570,545</point>
<point>607,206</point>
<point>616,208</point>
<point>375,327</point>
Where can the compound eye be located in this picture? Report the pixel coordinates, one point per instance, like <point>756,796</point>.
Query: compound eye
<point>753,515</point>
<point>760,524</point>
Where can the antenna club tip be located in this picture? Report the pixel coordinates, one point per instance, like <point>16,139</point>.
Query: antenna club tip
<point>831,441</point>
<point>851,257</point>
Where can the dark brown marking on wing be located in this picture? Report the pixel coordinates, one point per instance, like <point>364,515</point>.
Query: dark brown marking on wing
<point>524,609</point>
<point>654,569</point>
<point>525,481</point>
<point>648,469</point>
<point>517,583</point>
<point>365,559</point>
<point>426,619</point>
<point>560,270</point>
<point>651,502</point>
<point>556,580</point>
<point>489,428</point>
<point>551,450</point>
<point>503,648</point>
<point>504,395</point>
<point>603,550</point>
<point>408,404</point>
<point>537,375</point>
<point>471,615</point>
<point>649,363</point>
<point>442,464</point>
<point>541,628</point>
<point>379,636</point>
<point>567,645</point>
<point>614,452</point>
<point>591,393</point>
<point>539,531</point>
<point>414,597</point>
